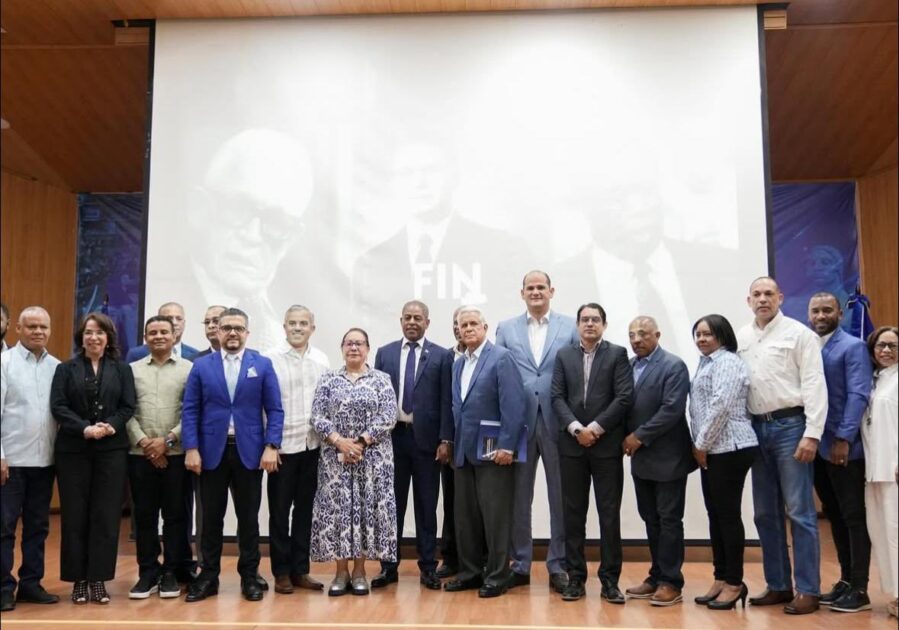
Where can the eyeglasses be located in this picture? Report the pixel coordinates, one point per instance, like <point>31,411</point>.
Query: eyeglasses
<point>892,347</point>
<point>354,344</point>
<point>585,319</point>
<point>214,320</point>
<point>238,329</point>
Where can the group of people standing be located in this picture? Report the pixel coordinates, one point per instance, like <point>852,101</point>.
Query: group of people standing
<point>801,407</point>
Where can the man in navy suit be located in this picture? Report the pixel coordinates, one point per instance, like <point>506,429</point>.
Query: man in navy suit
<point>421,374</point>
<point>661,452</point>
<point>486,386</point>
<point>174,311</point>
<point>840,463</point>
<point>228,443</point>
<point>211,330</point>
<point>534,338</point>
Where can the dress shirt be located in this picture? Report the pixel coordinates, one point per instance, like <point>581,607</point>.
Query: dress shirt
<point>298,375</point>
<point>471,362</point>
<point>160,392</point>
<point>880,427</point>
<point>238,359</point>
<point>28,429</point>
<point>575,425</point>
<point>640,364</point>
<point>4,347</point>
<point>719,420</point>
<point>823,340</point>
<point>404,358</point>
<point>785,370</point>
<point>537,330</point>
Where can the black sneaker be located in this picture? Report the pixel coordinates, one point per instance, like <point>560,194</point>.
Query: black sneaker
<point>168,586</point>
<point>852,601</point>
<point>838,590</point>
<point>145,587</point>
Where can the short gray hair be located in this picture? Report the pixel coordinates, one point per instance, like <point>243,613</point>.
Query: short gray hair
<point>471,309</point>
<point>299,307</point>
<point>32,310</point>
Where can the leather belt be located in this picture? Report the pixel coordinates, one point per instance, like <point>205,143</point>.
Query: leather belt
<point>778,414</point>
<point>402,426</point>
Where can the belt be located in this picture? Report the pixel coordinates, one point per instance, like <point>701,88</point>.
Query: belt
<point>232,440</point>
<point>402,426</point>
<point>778,414</point>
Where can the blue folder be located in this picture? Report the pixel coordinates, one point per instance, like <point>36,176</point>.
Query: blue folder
<point>488,437</point>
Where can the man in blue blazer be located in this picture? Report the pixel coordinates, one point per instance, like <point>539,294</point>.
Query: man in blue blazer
<point>174,311</point>
<point>229,443</point>
<point>421,374</point>
<point>486,386</point>
<point>840,462</point>
<point>534,338</point>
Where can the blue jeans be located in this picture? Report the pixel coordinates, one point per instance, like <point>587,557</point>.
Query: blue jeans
<point>781,489</point>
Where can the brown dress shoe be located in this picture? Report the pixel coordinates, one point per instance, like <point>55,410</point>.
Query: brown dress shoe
<point>307,582</point>
<point>802,605</point>
<point>771,598</point>
<point>666,595</point>
<point>643,591</point>
<point>283,584</point>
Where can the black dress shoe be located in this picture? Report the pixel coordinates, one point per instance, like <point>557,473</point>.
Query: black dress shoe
<point>36,595</point>
<point>462,585</point>
<point>200,589</point>
<point>612,594</point>
<point>384,578</point>
<point>519,579</point>
<point>261,583</point>
<point>491,590</point>
<point>251,590</point>
<point>447,570</point>
<point>558,581</point>
<point>574,591</point>
<point>7,601</point>
<point>430,580</point>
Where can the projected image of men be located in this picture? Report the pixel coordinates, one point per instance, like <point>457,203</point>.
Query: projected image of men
<point>249,208</point>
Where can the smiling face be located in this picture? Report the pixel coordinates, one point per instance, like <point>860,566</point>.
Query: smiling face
<point>94,339</point>
<point>886,349</point>
<point>355,350</point>
<point>33,330</point>
<point>824,314</point>
<point>160,338</point>
<point>233,333</point>
<point>298,328</point>
<point>414,321</point>
<point>765,300</point>
<point>537,292</point>
<point>705,339</point>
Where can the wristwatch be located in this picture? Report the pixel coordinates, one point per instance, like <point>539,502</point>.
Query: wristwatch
<point>170,442</point>
<point>577,432</point>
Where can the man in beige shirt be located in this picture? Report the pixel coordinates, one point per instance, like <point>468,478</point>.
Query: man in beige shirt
<point>156,462</point>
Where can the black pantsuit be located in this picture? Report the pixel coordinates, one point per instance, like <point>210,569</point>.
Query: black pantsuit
<point>661,506</point>
<point>484,496</point>
<point>91,491</point>
<point>247,486</point>
<point>293,486</point>
<point>607,475</point>
<point>722,490</point>
<point>155,490</point>
<point>25,494</point>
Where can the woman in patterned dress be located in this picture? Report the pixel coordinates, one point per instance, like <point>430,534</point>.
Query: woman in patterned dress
<point>354,514</point>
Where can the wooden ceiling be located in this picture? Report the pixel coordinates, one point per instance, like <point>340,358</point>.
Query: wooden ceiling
<point>76,102</point>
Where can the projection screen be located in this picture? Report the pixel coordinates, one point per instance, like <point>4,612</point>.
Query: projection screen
<point>350,164</point>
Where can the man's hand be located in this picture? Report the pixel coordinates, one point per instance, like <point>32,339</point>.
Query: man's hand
<point>503,458</point>
<point>631,444</point>
<point>4,471</point>
<point>839,453</point>
<point>159,462</point>
<point>154,448</point>
<point>94,432</point>
<point>444,453</point>
<point>270,460</point>
<point>106,428</point>
<point>701,458</point>
<point>805,452</point>
<point>586,438</point>
<point>192,461</point>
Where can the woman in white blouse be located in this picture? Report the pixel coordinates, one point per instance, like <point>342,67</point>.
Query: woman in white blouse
<point>880,437</point>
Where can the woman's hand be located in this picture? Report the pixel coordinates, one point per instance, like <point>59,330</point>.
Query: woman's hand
<point>350,449</point>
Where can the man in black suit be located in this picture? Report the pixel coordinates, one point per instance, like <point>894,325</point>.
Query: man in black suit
<point>591,393</point>
<point>659,445</point>
<point>421,374</point>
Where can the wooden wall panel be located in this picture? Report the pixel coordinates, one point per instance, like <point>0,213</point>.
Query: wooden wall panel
<point>878,213</point>
<point>38,243</point>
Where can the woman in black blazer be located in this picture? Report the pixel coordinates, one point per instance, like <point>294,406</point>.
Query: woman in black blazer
<point>92,398</point>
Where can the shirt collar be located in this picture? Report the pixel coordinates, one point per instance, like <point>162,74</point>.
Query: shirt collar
<point>772,324</point>
<point>25,352</point>
<point>291,351</point>
<point>477,352</point>
<point>543,320</point>
<point>238,354</point>
<point>172,359</point>
<point>826,338</point>
<point>647,358</point>
<point>420,342</point>
<point>584,349</point>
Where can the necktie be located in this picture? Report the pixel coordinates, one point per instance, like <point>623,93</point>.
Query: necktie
<point>232,370</point>
<point>409,377</point>
<point>649,301</point>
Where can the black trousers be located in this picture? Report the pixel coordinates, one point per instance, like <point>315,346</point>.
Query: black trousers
<point>842,493</point>
<point>418,467</point>
<point>661,506</point>
<point>91,491</point>
<point>26,495</point>
<point>154,491</point>
<point>247,492</point>
<point>722,490</point>
<point>293,486</point>
<point>448,533</point>
<point>484,524</point>
<point>607,475</point>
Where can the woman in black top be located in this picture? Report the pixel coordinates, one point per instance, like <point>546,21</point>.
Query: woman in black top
<point>92,398</point>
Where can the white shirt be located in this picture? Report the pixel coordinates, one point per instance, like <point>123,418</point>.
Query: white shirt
<point>28,430</point>
<point>225,360</point>
<point>471,362</point>
<point>880,427</point>
<point>785,370</point>
<point>404,358</point>
<point>822,341</point>
<point>537,330</point>
<point>298,375</point>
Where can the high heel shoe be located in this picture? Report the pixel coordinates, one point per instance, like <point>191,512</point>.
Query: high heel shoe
<point>98,593</point>
<point>80,593</point>
<point>712,594</point>
<point>731,604</point>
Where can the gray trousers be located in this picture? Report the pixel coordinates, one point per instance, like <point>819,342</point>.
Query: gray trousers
<point>543,444</point>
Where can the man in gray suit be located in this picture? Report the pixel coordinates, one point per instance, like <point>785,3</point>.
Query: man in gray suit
<point>658,443</point>
<point>534,338</point>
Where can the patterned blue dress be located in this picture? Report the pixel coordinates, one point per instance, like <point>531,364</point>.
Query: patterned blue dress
<point>354,514</point>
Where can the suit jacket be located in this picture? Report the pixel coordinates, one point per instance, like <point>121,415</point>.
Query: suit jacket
<point>609,395</point>
<point>537,378</point>
<point>69,404</point>
<point>847,370</point>
<point>432,396</point>
<point>658,419</point>
<point>494,393</point>
<point>140,352</point>
<point>207,409</point>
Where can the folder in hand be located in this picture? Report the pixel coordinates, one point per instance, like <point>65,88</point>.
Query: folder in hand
<point>488,441</point>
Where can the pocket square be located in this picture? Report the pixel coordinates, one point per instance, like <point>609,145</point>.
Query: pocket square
<point>251,372</point>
